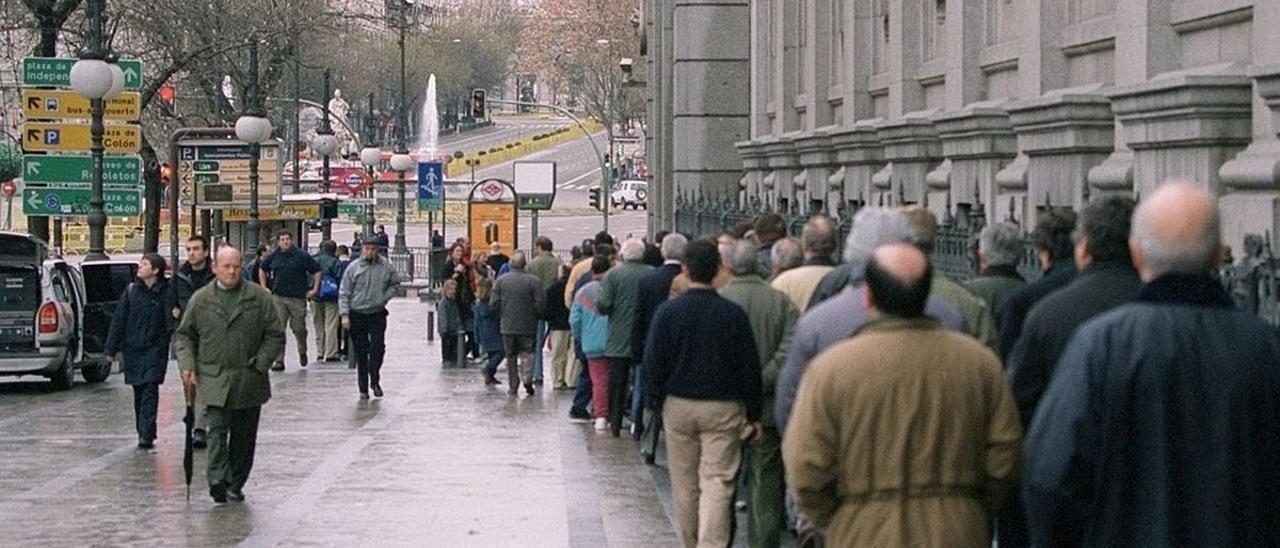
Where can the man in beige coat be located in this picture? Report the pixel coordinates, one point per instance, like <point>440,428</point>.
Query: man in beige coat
<point>907,434</point>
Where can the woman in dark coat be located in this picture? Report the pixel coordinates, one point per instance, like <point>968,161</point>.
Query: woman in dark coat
<point>142,328</point>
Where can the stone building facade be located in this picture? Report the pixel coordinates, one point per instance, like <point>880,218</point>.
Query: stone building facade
<point>1009,106</point>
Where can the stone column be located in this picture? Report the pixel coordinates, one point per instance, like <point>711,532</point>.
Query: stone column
<point>978,142</point>
<point>1185,125</point>
<point>755,167</point>
<point>1252,179</point>
<point>779,184</point>
<point>1061,137</point>
<point>912,149</point>
<point>859,156</point>
<point>710,92</point>
<point>660,138</point>
<point>816,159</point>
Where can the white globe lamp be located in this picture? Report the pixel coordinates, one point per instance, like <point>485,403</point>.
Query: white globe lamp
<point>253,129</point>
<point>91,78</point>
<point>401,162</point>
<point>117,82</point>
<point>370,156</point>
<point>324,144</point>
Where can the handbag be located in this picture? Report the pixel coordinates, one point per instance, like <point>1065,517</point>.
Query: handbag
<point>328,289</point>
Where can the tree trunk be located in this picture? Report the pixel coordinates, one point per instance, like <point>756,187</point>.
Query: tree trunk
<point>153,196</point>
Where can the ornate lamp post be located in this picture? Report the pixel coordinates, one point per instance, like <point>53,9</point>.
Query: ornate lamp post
<point>94,78</point>
<point>325,144</point>
<point>253,127</point>
<point>401,161</point>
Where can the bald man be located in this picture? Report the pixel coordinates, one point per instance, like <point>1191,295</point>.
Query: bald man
<point>906,434</point>
<point>226,343</point>
<point>1160,425</point>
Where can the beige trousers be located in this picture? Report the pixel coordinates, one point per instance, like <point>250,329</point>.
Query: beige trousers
<point>293,314</point>
<point>324,315</point>
<point>704,447</point>
<point>560,351</point>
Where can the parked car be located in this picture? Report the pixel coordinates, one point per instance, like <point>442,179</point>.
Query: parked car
<point>630,193</point>
<point>50,325</point>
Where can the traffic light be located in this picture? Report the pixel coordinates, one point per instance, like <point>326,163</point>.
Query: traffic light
<point>169,96</point>
<point>478,104</point>
<point>597,198</point>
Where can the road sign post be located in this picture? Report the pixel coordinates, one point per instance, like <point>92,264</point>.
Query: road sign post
<point>214,174</point>
<point>53,168</point>
<point>70,137</point>
<point>46,104</point>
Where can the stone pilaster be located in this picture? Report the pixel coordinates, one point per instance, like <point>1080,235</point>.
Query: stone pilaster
<point>859,155</point>
<point>978,141</point>
<point>912,149</point>
<point>816,161</point>
<point>1185,125</point>
<point>755,166</point>
<point>1251,181</point>
<point>779,184</point>
<point>1061,137</point>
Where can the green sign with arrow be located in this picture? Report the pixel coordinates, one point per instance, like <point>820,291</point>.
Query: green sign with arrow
<point>51,168</point>
<point>63,201</point>
<point>56,72</point>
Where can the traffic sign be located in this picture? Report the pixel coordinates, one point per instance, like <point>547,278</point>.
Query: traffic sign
<point>56,72</point>
<point>51,168</point>
<point>8,188</point>
<point>75,201</point>
<point>214,174</point>
<point>430,186</point>
<point>47,104</point>
<point>71,137</point>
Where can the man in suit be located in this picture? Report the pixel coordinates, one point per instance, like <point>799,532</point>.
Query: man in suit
<point>655,287</point>
<point>226,343</point>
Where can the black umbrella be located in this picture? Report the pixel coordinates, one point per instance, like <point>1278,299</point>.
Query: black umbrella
<point>188,450</point>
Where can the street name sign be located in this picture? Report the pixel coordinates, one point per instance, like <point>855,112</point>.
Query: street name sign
<point>123,171</point>
<point>214,174</point>
<point>73,137</point>
<point>430,186</point>
<point>54,201</point>
<point>49,104</point>
<point>56,72</point>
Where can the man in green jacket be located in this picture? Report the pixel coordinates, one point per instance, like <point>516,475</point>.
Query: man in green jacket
<point>546,267</point>
<point>226,343</point>
<point>773,318</point>
<point>619,298</point>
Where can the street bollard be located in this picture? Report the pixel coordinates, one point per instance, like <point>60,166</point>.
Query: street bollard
<point>462,350</point>
<point>431,326</point>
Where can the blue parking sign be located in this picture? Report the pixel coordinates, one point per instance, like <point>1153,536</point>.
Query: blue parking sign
<point>431,186</point>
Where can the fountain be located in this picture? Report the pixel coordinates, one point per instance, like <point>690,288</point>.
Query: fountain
<point>429,123</point>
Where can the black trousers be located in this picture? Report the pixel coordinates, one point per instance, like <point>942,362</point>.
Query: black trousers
<point>233,439</point>
<point>146,399</point>
<point>368,341</point>
<point>619,375</point>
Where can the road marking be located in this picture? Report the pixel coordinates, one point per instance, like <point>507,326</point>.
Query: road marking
<point>580,177</point>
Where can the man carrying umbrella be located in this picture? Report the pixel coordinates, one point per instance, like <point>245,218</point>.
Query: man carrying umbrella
<point>226,343</point>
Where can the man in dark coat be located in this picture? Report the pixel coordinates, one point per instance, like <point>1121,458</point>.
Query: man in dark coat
<point>655,288</point>
<point>1054,248</point>
<point>193,275</point>
<point>141,328</point>
<point>520,300</point>
<point>1159,426</point>
<point>1106,280</point>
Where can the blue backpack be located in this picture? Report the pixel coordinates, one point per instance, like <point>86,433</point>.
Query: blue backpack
<point>331,281</point>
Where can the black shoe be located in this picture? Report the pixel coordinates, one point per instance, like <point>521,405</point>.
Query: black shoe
<point>302,359</point>
<point>236,494</point>
<point>351,365</point>
<point>579,415</point>
<point>528,389</point>
<point>219,492</point>
<point>377,390</point>
<point>490,380</point>
<point>279,366</point>
<point>199,439</point>
<point>537,382</point>
<point>145,444</point>
<point>513,391</point>
<point>364,395</point>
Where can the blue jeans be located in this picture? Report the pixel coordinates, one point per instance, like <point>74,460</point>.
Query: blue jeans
<point>494,359</point>
<point>539,344</point>
<point>637,401</point>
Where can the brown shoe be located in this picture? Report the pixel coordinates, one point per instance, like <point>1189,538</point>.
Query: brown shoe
<point>489,379</point>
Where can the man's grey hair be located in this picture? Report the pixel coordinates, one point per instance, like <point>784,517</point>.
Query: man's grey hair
<point>819,236</point>
<point>518,261</point>
<point>872,228</point>
<point>741,257</point>
<point>1195,253</point>
<point>673,247</point>
<point>1002,243</point>
<point>632,250</point>
<point>786,255</point>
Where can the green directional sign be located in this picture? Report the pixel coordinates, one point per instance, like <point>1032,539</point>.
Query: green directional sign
<point>56,72</point>
<point>50,168</point>
<point>75,201</point>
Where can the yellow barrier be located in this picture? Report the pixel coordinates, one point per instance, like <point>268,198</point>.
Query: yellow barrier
<point>526,147</point>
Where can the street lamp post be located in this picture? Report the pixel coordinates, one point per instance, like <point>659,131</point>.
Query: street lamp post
<point>93,78</point>
<point>325,145</point>
<point>401,161</point>
<point>370,156</point>
<point>253,128</point>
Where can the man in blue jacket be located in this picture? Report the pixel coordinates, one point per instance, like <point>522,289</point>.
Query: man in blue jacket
<point>141,328</point>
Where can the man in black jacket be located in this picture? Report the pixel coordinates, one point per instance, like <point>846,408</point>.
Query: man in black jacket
<point>1054,248</point>
<point>702,369</point>
<point>187,279</point>
<point>655,288</point>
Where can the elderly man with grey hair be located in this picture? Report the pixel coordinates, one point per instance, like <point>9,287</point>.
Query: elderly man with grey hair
<point>520,301</point>
<point>835,319</point>
<point>619,297</point>
<point>772,319</point>
<point>1159,425</point>
<point>654,289</point>
<point>785,255</point>
<point>818,241</point>
<point>999,250</point>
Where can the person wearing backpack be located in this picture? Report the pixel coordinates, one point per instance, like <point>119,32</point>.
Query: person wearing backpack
<point>140,331</point>
<point>324,308</point>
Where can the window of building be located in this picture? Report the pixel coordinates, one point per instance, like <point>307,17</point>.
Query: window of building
<point>837,43</point>
<point>880,38</point>
<point>805,29</point>
<point>933,27</point>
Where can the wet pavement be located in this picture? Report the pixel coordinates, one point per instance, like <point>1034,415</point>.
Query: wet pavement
<point>441,460</point>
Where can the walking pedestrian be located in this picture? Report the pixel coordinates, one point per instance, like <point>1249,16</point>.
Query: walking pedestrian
<point>488,331</point>
<point>1158,426</point>
<point>978,319</point>
<point>999,251</point>
<point>654,289</point>
<point>192,276</point>
<point>226,342</point>
<point>368,284</point>
<point>558,338</point>
<point>619,297</point>
<point>252,271</point>
<point>818,244</point>
<point>384,242</point>
<point>1052,239</point>
<point>835,319</point>
<point>906,434</point>
<point>294,279</point>
<point>324,307</point>
<point>704,374</point>
<point>769,228</point>
<point>772,318</point>
<point>449,322</point>
<point>344,336</point>
<point>520,299</point>
<point>591,329</point>
<point>544,266</point>
<point>141,330</point>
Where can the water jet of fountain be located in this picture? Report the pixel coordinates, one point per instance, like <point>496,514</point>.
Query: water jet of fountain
<point>429,123</point>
